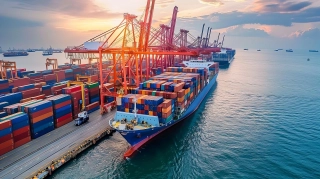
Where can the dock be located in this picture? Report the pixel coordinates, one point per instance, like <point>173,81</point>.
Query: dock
<point>42,156</point>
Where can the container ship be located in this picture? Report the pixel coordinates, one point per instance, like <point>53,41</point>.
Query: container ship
<point>225,57</point>
<point>163,101</point>
<point>15,54</point>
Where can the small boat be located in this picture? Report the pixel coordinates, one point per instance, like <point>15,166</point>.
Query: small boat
<point>245,49</point>
<point>308,59</point>
<point>289,50</point>
<point>313,51</point>
<point>276,50</point>
<point>258,50</point>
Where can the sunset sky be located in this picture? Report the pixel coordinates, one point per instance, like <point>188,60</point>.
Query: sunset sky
<point>246,23</point>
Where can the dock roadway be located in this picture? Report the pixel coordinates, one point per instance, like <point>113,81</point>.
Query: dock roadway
<point>28,159</point>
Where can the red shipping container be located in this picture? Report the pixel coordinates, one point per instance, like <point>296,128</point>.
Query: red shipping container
<point>5,124</point>
<point>6,150</point>
<point>21,136</point>
<point>50,77</point>
<point>4,85</point>
<point>31,93</point>
<point>57,106</point>
<point>6,144</point>
<point>39,113</point>
<point>63,118</point>
<point>54,88</point>
<point>57,92</point>
<point>91,106</point>
<point>22,142</point>
<point>21,130</point>
<point>5,138</point>
<point>72,89</point>
<point>76,95</point>
<point>37,85</point>
<point>47,92</point>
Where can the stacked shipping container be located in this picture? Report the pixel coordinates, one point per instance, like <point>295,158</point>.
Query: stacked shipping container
<point>41,118</point>
<point>62,109</point>
<point>6,138</point>
<point>147,105</point>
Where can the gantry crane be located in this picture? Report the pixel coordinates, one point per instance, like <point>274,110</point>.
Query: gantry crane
<point>135,47</point>
<point>8,65</point>
<point>51,62</point>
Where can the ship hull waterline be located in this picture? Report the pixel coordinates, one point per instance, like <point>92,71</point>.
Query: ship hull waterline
<point>138,138</point>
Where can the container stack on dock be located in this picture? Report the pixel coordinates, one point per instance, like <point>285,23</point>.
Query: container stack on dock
<point>35,77</point>
<point>50,79</point>
<point>93,92</point>
<point>62,109</point>
<point>69,74</point>
<point>41,118</point>
<point>76,96</point>
<point>61,76</point>
<point>4,86</point>
<point>6,137</point>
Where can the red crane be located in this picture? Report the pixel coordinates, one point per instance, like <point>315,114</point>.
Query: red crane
<point>128,52</point>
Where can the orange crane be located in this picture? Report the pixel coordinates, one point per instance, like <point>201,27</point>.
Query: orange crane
<point>8,65</point>
<point>134,47</point>
<point>51,62</point>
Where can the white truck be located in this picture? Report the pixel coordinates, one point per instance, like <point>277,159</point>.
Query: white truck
<point>82,118</point>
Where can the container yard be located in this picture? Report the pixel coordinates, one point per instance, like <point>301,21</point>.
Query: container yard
<point>155,79</point>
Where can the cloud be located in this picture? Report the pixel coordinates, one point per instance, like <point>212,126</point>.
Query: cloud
<point>75,8</point>
<point>279,5</point>
<point>164,3</point>
<point>312,33</point>
<point>10,22</point>
<point>234,18</point>
<point>244,32</point>
<point>212,2</point>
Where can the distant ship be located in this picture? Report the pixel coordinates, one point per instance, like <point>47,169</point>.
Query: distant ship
<point>15,54</point>
<point>30,50</point>
<point>245,49</point>
<point>276,50</point>
<point>225,57</point>
<point>313,51</point>
<point>289,50</point>
<point>258,50</point>
<point>47,52</point>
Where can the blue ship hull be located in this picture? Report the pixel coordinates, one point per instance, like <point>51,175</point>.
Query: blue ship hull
<point>14,55</point>
<point>136,138</point>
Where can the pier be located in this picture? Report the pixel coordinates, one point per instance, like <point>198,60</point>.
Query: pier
<point>42,156</point>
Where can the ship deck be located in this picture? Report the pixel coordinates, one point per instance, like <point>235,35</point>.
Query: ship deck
<point>26,160</point>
